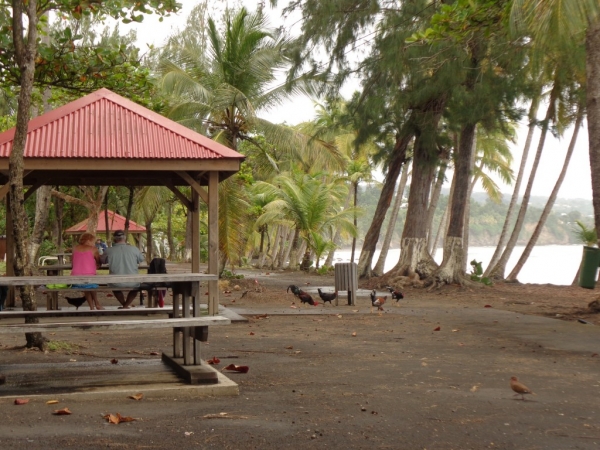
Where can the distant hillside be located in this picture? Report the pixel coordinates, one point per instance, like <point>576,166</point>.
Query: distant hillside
<point>487,218</point>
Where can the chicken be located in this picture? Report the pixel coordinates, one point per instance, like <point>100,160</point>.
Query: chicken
<point>377,301</point>
<point>303,296</point>
<point>77,301</point>
<point>519,388</point>
<point>396,295</point>
<point>328,296</point>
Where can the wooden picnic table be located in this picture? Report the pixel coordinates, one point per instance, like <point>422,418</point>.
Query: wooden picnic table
<point>187,292</point>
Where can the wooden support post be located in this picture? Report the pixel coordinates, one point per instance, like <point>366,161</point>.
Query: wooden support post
<point>195,293</point>
<point>213,242</point>
<point>177,332</point>
<point>195,232</point>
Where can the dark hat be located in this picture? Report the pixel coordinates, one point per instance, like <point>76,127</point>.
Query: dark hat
<point>119,233</point>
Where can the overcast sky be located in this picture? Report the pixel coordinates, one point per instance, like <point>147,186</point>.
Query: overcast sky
<point>577,183</point>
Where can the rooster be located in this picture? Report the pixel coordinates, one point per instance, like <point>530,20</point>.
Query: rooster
<point>327,297</point>
<point>77,301</point>
<point>377,301</point>
<point>303,296</point>
<point>396,295</point>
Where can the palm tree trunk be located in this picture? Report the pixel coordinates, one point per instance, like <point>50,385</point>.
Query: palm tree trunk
<point>441,228</point>
<point>387,192</point>
<point>380,266</point>
<point>275,248</point>
<point>435,198</point>
<point>592,46</point>
<point>515,195</point>
<point>498,271</point>
<point>550,203</point>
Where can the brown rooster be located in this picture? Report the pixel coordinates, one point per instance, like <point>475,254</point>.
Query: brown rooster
<point>303,296</point>
<point>377,301</point>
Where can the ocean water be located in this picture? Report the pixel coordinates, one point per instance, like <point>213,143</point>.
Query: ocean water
<point>547,264</point>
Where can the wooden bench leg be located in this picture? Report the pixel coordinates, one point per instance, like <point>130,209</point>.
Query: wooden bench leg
<point>200,335</point>
<point>51,300</point>
<point>177,337</point>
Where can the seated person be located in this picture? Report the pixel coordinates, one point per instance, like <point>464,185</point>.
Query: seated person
<point>86,259</point>
<point>123,259</point>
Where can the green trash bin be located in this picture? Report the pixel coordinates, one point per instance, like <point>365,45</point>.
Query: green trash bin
<point>589,267</point>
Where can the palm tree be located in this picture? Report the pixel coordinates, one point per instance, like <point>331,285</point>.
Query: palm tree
<point>307,205</point>
<point>566,22</point>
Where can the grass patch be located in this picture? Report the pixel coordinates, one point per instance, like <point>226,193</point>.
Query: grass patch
<point>61,346</point>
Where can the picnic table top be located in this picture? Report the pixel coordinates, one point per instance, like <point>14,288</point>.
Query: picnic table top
<point>49,267</point>
<point>38,280</point>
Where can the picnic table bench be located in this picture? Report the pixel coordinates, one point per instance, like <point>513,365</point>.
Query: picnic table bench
<point>189,327</point>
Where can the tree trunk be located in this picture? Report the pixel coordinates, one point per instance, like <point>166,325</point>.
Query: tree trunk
<point>472,182</point>
<point>435,198</point>
<point>187,252</point>
<point>42,211</point>
<point>275,247</point>
<point>592,46</point>
<point>498,271</point>
<point>25,53</point>
<point>380,266</point>
<point>170,240</point>
<point>452,269</point>
<point>129,209</point>
<point>292,251</point>
<point>414,256</point>
<point>387,192</point>
<point>515,195</point>
<point>550,203</point>
<point>440,229</point>
<point>106,224</point>
<point>149,242</point>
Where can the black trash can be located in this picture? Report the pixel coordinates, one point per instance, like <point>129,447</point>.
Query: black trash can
<point>589,267</point>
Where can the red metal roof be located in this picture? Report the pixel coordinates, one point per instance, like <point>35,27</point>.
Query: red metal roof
<point>104,125</point>
<point>115,222</point>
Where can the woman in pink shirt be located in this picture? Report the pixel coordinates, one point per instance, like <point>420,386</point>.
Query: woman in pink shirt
<point>86,259</point>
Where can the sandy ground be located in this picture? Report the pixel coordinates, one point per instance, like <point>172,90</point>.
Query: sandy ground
<point>341,377</point>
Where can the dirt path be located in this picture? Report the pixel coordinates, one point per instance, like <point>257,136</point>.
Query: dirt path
<point>336,378</point>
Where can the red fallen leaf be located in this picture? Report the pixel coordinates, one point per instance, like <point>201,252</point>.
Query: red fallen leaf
<point>113,348</point>
<point>118,418</point>
<point>487,306</point>
<point>437,329</point>
<point>109,295</point>
<point>114,361</point>
<point>206,293</point>
<point>62,412</point>
<point>241,369</point>
<point>154,353</point>
<point>594,354</point>
<point>251,333</point>
<point>21,401</point>
<point>214,360</point>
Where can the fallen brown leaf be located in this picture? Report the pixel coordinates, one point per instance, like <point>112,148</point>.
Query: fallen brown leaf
<point>62,412</point>
<point>117,418</point>
<point>354,334</point>
<point>52,402</point>
<point>233,367</point>
<point>437,329</point>
<point>114,361</point>
<point>154,353</point>
<point>21,401</point>
<point>289,347</point>
<point>136,396</point>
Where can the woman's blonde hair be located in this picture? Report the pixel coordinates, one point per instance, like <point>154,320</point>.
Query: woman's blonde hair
<point>86,237</point>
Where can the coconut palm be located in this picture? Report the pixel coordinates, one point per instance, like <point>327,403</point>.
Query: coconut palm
<point>308,205</point>
<point>568,23</point>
